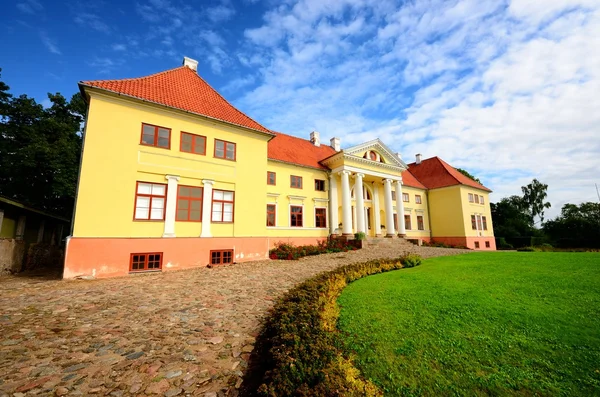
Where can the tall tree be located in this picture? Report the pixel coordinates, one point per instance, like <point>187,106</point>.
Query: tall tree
<point>40,150</point>
<point>576,226</point>
<point>511,218</point>
<point>468,174</point>
<point>534,195</point>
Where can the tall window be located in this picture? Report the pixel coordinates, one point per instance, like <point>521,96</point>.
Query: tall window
<point>319,185</point>
<point>270,214</point>
<point>471,197</point>
<point>153,135</point>
<point>296,182</point>
<point>189,203</point>
<point>417,198</point>
<point>296,216</point>
<point>222,206</point>
<point>420,224</point>
<point>473,222</point>
<point>405,197</point>
<point>145,261</point>
<point>395,222</point>
<point>191,143</point>
<point>320,217</point>
<point>407,224</point>
<point>224,150</point>
<point>479,223</point>
<point>271,178</point>
<point>480,199</point>
<point>476,199</point>
<point>150,201</point>
<point>393,195</point>
<point>484,220</point>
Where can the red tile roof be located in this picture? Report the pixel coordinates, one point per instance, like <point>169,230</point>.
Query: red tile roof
<point>291,149</point>
<point>435,173</point>
<point>409,179</point>
<point>180,88</point>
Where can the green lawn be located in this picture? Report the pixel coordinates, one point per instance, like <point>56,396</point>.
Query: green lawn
<point>495,323</point>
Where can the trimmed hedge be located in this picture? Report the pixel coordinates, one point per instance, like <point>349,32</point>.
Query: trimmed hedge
<point>299,351</point>
<point>287,251</point>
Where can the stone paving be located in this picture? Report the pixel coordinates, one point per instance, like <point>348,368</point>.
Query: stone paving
<point>175,333</point>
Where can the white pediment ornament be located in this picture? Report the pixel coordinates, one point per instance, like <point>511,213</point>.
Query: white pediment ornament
<point>378,147</point>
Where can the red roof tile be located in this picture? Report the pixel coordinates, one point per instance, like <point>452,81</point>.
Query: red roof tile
<point>409,179</point>
<point>435,173</point>
<point>291,149</point>
<point>180,88</point>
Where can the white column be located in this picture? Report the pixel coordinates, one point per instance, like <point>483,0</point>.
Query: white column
<point>400,209</point>
<point>376,209</point>
<point>20,233</point>
<point>346,205</point>
<point>171,205</point>
<point>333,204</point>
<point>360,203</point>
<point>389,208</point>
<point>206,207</point>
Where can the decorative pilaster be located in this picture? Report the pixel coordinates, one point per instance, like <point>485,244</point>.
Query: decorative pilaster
<point>207,188</point>
<point>376,209</point>
<point>400,209</point>
<point>170,205</point>
<point>333,204</point>
<point>346,205</point>
<point>360,203</point>
<point>389,208</point>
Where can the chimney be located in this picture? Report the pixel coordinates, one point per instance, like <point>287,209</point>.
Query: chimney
<point>190,63</point>
<point>335,144</point>
<point>315,138</point>
<point>398,155</point>
<point>418,158</point>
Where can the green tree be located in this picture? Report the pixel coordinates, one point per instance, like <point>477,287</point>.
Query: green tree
<point>511,219</point>
<point>576,226</point>
<point>534,195</point>
<point>40,150</point>
<point>468,175</point>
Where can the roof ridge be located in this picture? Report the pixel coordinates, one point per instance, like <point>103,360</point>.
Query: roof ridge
<point>446,165</point>
<point>136,78</point>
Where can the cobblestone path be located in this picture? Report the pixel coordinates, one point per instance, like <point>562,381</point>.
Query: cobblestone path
<point>176,333</point>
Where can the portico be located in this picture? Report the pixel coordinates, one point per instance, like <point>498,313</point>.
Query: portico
<point>368,180</point>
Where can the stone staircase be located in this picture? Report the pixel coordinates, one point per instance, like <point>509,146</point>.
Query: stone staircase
<point>386,242</point>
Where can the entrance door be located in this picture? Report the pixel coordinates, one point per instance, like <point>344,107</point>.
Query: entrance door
<point>370,228</point>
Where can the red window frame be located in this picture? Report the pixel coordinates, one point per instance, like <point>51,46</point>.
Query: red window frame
<point>188,199</point>
<point>471,200</point>
<point>155,138</point>
<point>222,204</point>
<point>193,143</point>
<point>321,217</point>
<point>476,199</point>
<point>418,199</point>
<point>145,259</point>
<point>295,182</point>
<point>225,145</point>
<point>474,222</point>
<point>221,257</point>
<point>484,221</point>
<point>296,217</point>
<point>407,222</point>
<point>405,198</point>
<point>269,179</point>
<point>271,214</point>
<point>319,185</point>
<point>476,244</point>
<point>420,222</point>
<point>152,197</point>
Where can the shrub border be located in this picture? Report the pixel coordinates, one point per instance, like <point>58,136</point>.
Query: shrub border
<point>299,351</point>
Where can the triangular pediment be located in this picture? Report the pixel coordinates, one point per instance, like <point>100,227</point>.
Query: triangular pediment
<point>376,151</point>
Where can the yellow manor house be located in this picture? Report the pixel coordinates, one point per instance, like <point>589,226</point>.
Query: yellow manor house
<point>173,176</point>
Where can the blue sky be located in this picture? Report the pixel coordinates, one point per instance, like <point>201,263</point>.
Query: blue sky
<point>505,89</point>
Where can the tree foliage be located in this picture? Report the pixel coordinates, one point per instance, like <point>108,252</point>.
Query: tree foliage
<point>40,149</point>
<point>511,218</point>
<point>577,225</point>
<point>468,174</point>
<point>534,195</point>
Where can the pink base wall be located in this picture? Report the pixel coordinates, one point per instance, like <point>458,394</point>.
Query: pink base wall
<point>469,242</point>
<point>109,257</point>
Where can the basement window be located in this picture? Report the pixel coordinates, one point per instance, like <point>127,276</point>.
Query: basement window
<point>221,257</point>
<point>140,262</point>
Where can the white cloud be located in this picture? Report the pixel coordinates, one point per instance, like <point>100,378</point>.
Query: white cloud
<point>30,6</point>
<point>50,43</point>
<point>220,13</point>
<point>506,90</point>
<point>90,20</point>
